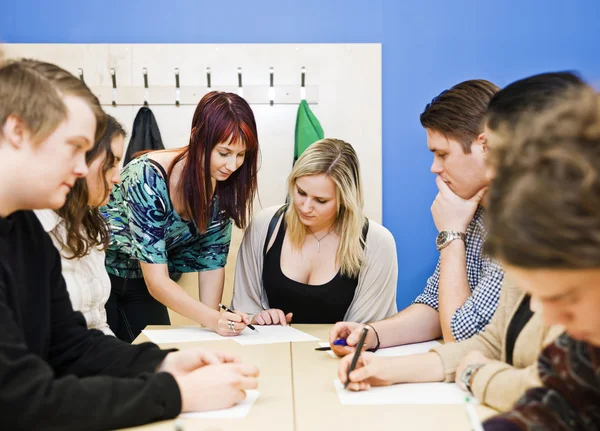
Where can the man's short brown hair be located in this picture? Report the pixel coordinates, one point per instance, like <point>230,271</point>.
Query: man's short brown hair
<point>458,112</point>
<point>33,91</point>
<point>544,203</point>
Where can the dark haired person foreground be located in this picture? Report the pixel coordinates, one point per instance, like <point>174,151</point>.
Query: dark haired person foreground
<point>55,373</point>
<point>544,225</point>
<point>461,296</point>
<point>173,213</point>
<point>500,363</point>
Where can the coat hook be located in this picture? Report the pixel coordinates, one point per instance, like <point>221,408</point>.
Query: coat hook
<point>80,73</point>
<point>145,72</point>
<point>208,78</point>
<point>240,88</point>
<point>271,88</point>
<point>303,83</point>
<point>113,75</point>
<point>177,90</point>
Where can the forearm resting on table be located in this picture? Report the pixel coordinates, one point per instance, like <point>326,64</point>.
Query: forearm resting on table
<point>421,368</point>
<point>414,324</point>
<point>169,293</point>
<point>453,287</point>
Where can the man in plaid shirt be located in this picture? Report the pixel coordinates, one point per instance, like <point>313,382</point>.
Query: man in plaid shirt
<point>461,296</point>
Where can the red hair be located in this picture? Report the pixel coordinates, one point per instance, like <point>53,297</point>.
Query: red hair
<point>218,117</point>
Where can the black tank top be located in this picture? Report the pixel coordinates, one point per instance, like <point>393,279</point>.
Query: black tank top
<point>325,303</point>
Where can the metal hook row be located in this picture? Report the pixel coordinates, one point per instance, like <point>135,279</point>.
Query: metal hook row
<point>113,75</point>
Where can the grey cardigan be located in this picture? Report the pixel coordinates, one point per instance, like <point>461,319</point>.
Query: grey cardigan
<point>375,295</point>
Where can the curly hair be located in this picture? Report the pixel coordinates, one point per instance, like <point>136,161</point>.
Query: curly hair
<point>544,205</point>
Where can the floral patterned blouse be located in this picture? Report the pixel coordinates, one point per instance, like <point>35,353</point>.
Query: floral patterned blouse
<point>145,227</point>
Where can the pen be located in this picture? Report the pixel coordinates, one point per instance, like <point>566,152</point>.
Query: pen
<point>338,342</point>
<point>473,418</point>
<point>361,342</point>
<point>229,311</point>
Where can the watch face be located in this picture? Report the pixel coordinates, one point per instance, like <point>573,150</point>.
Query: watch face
<point>442,237</point>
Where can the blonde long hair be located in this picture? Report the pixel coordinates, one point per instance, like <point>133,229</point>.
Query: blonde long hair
<point>338,161</point>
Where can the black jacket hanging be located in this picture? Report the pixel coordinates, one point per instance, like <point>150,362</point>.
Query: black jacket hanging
<point>144,135</point>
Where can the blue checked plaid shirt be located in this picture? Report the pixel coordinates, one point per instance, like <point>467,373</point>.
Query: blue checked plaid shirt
<point>485,279</point>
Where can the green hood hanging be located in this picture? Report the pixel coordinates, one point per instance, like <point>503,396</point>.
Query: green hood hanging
<point>308,129</point>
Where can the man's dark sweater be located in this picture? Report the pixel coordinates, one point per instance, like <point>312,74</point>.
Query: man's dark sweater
<point>54,372</point>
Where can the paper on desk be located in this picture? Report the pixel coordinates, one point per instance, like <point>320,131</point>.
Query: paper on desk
<point>409,349</point>
<point>239,411</point>
<point>181,335</point>
<point>272,334</point>
<point>405,393</point>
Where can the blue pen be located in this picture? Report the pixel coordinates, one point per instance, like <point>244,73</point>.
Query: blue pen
<point>340,342</point>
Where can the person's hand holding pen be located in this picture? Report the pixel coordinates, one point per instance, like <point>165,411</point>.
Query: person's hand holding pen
<point>350,332</point>
<point>370,370</point>
<point>231,323</point>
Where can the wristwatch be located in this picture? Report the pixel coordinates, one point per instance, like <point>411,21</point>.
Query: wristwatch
<point>468,373</point>
<point>445,237</point>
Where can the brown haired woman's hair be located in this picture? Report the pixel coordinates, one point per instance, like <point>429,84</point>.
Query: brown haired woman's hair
<point>457,113</point>
<point>218,117</point>
<point>544,204</point>
<point>84,225</point>
<point>33,91</point>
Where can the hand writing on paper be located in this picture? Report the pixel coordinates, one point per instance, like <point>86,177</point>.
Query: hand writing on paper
<point>370,371</point>
<point>240,320</point>
<point>350,331</point>
<point>272,316</point>
<point>216,386</point>
<point>450,211</point>
<point>186,361</point>
<point>471,358</point>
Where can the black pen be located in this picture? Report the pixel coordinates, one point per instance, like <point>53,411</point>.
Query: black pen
<point>327,348</point>
<point>229,311</point>
<point>357,352</point>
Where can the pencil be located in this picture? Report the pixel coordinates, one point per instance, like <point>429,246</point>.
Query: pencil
<point>359,347</point>
<point>229,311</point>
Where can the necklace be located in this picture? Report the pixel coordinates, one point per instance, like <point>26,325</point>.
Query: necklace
<point>321,239</point>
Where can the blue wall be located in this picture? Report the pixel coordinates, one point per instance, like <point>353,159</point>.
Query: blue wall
<point>427,46</point>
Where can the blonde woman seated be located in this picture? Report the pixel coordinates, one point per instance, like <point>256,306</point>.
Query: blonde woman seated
<point>318,260</point>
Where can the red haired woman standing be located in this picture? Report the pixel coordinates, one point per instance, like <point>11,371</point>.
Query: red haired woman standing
<point>173,213</point>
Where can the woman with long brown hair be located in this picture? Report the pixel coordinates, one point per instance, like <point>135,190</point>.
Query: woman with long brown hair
<point>80,232</point>
<point>173,213</point>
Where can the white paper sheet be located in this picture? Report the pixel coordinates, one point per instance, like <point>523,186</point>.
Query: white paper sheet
<point>272,334</point>
<point>239,411</point>
<point>409,349</point>
<point>181,335</point>
<point>406,393</point>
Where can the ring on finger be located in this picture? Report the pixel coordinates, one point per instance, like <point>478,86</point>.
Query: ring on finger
<point>230,324</point>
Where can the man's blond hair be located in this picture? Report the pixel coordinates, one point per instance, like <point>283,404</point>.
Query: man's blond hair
<point>33,91</point>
